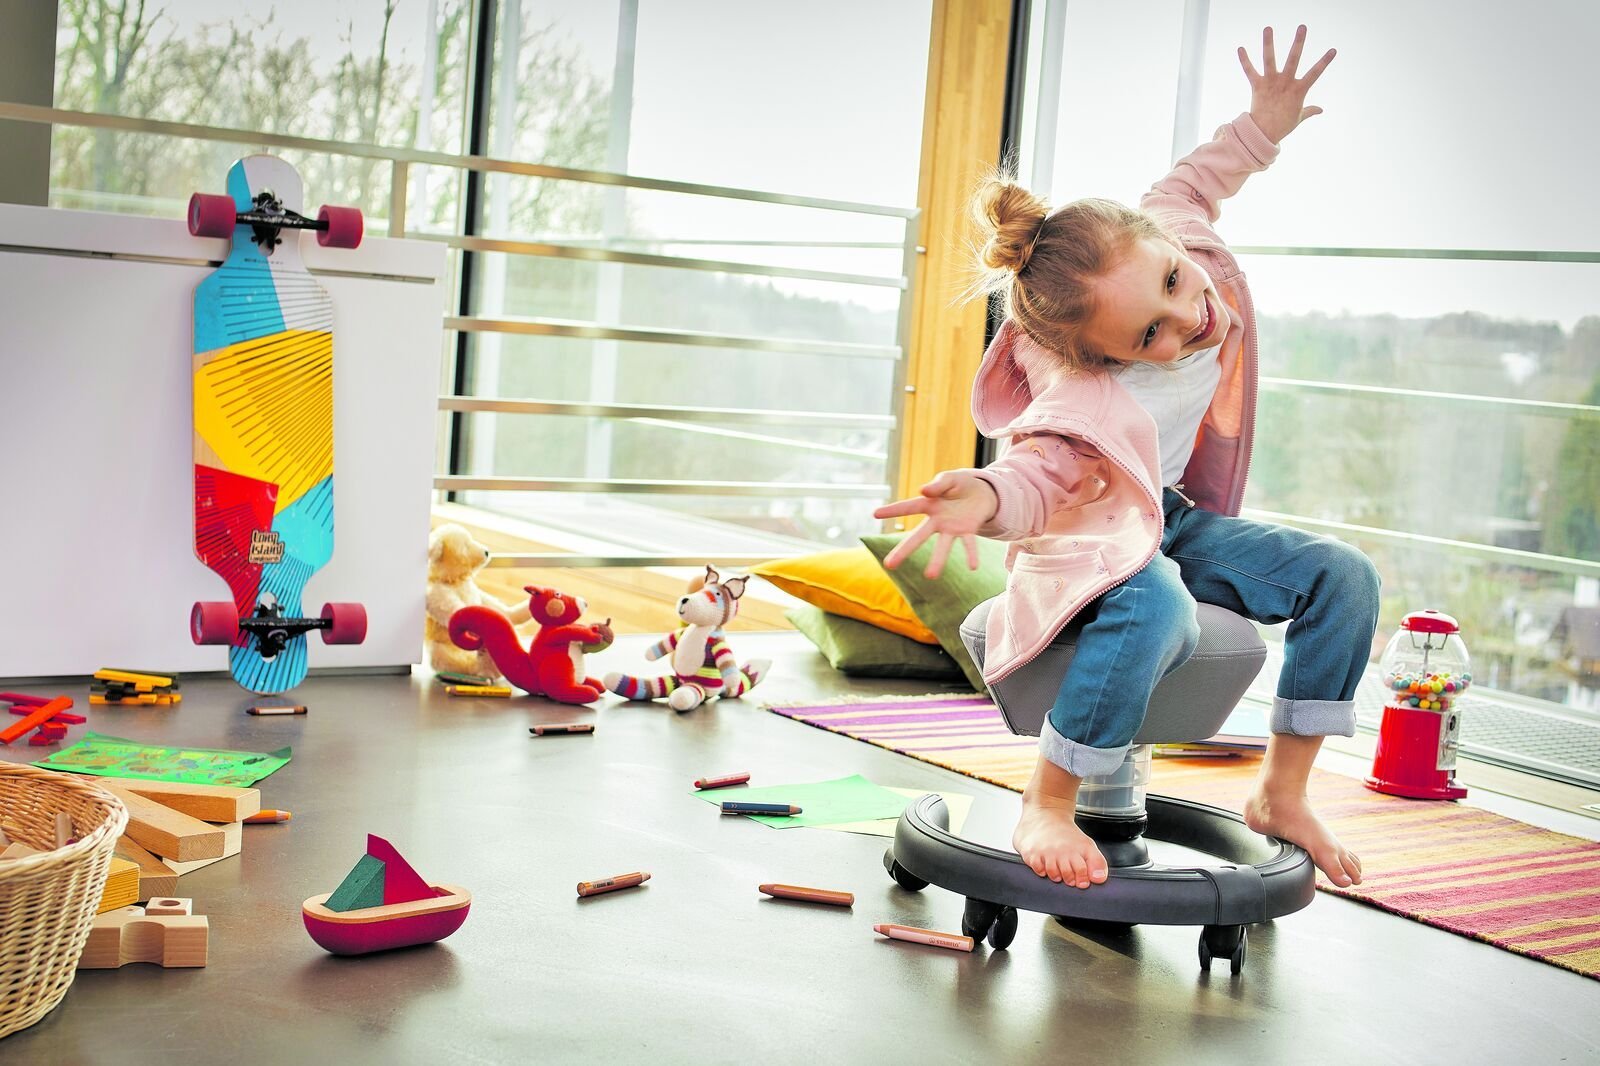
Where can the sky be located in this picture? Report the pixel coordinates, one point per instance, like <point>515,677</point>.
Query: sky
<point>1464,124</point>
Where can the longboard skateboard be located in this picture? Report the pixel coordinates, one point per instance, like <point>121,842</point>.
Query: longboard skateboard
<point>263,425</point>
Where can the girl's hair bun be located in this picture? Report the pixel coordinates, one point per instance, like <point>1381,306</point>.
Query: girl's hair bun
<point>1009,220</point>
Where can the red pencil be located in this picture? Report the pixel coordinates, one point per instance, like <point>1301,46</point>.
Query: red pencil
<point>722,782</point>
<point>810,895</point>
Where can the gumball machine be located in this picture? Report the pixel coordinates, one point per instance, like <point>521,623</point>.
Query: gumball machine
<point>1425,669</point>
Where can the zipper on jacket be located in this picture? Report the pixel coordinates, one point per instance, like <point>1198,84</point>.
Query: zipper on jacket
<point>1178,488</point>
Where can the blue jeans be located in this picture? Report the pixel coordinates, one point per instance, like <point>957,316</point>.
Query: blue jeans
<point>1135,634</point>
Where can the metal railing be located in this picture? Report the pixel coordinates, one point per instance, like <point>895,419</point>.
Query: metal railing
<point>683,419</point>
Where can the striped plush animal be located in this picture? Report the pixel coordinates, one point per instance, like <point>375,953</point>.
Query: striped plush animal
<point>702,663</point>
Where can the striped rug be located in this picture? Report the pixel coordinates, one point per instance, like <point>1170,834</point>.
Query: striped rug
<point>1485,876</point>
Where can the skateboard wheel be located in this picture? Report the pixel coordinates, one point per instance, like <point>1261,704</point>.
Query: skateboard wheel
<point>211,216</point>
<point>214,623</point>
<point>345,227</point>
<point>349,623</point>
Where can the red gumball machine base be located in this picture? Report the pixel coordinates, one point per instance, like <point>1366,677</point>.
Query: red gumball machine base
<point>1416,754</point>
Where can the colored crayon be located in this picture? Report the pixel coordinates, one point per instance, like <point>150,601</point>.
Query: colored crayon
<point>463,679</point>
<point>611,884</point>
<point>810,895</point>
<point>479,690</point>
<point>931,937</point>
<point>735,807</point>
<point>269,816</point>
<point>561,729</point>
<point>297,708</point>
<point>722,782</point>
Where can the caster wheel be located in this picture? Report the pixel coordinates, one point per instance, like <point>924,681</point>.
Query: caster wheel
<point>1223,942</point>
<point>345,227</point>
<point>979,918</point>
<point>906,879</point>
<point>214,623</point>
<point>349,623</point>
<point>211,216</point>
<point>1004,930</point>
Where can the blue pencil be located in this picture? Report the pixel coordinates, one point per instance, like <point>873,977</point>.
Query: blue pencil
<point>735,807</point>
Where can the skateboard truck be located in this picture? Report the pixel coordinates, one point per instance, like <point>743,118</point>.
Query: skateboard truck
<point>267,217</point>
<point>273,631</point>
<point>219,623</point>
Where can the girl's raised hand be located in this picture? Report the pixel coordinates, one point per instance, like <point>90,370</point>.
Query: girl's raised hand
<point>1277,97</point>
<point>957,505</point>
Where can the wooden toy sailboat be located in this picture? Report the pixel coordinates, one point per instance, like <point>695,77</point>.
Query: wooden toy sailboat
<point>383,904</point>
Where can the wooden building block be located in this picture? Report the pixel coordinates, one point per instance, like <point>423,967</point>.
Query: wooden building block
<point>156,878</point>
<point>169,905</point>
<point>232,842</point>
<point>39,740</point>
<point>129,935</point>
<point>64,831</point>
<point>54,730</point>
<point>168,833</point>
<point>361,888</point>
<point>209,803</point>
<point>18,851</point>
<point>122,886</point>
<point>38,716</point>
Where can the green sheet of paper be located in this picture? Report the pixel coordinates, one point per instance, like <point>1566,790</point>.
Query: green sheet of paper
<point>107,756</point>
<point>957,804</point>
<point>846,799</point>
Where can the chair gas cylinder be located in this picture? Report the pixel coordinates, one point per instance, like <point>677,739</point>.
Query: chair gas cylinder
<point>1425,669</point>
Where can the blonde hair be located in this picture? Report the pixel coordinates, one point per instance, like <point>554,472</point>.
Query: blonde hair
<point>1046,261</point>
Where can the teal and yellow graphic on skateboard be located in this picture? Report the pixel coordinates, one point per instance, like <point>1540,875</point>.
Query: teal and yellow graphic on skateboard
<point>263,425</point>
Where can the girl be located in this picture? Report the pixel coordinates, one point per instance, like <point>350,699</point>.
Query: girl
<point>1127,362</point>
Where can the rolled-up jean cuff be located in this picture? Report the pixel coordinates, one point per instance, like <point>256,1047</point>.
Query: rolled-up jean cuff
<point>1079,760</point>
<point>1313,718</point>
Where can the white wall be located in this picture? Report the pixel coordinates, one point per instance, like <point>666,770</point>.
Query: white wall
<point>97,563</point>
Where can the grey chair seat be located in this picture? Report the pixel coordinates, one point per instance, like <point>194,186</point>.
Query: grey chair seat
<point>1189,704</point>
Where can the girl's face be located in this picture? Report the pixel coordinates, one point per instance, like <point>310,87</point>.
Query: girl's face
<point>1155,306</point>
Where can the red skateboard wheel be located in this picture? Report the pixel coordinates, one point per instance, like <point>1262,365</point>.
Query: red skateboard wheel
<point>349,623</point>
<point>345,227</point>
<point>214,623</point>
<point>211,216</point>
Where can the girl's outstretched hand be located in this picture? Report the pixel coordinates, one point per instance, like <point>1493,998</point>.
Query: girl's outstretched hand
<point>957,504</point>
<point>1277,97</point>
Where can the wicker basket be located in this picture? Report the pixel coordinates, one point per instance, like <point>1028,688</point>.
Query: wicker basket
<point>48,901</point>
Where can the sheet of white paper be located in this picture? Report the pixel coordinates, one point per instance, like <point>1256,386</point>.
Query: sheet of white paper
<point>956,803</point>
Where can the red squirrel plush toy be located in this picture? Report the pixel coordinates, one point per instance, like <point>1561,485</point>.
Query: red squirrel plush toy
<point>552,665</point>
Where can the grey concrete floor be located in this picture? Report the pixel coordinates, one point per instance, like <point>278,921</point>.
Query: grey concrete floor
<point>696,966</point>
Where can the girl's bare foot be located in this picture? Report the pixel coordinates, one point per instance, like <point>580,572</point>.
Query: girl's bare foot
<point>1053,846</point>
<point>1290,817</point>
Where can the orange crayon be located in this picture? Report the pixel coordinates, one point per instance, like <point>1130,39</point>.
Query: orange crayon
<point>931,937</point>
<point>611,884</point>
<point>810,895</point>
<point>723,781</point>
<point>269,816</point>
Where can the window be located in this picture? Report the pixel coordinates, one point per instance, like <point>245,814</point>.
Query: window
<point>1424,274</point>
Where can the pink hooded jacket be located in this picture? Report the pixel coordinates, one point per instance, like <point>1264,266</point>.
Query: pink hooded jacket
<point>1079,483</point>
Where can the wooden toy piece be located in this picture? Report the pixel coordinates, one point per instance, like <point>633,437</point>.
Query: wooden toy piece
<point>62,717</point>
<point>24,700</point>
<point>156,878</point>
<point>169,905</point>
<point>18,850</point>
<point>398,925</point>
<point>401,884</point>
<point>63,828</point>
<point>41,714</point>
<point>143,682</point>
<point>232,842</point>
<point>166,832</point>
<point>39,740</point>
<point>129,935</point>
<point>362,887</point>
<point>54,730</point>
<point>209,803</point>
<point>122,886</point>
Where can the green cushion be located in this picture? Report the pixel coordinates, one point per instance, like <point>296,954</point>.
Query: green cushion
<point>864,650</point>
<point>944,602</point>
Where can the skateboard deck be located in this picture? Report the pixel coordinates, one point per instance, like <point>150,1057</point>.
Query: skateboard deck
<point>263,427</point>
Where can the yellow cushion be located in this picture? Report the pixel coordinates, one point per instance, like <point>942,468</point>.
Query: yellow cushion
<point>848,582</point>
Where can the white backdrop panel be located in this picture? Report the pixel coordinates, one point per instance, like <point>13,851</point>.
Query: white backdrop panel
<point>97,563</point>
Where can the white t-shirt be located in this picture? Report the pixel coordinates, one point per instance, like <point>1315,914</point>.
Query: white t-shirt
<point>1176,395</point>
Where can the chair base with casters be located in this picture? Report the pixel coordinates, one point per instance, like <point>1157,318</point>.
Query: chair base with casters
<point>1256,878</point>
